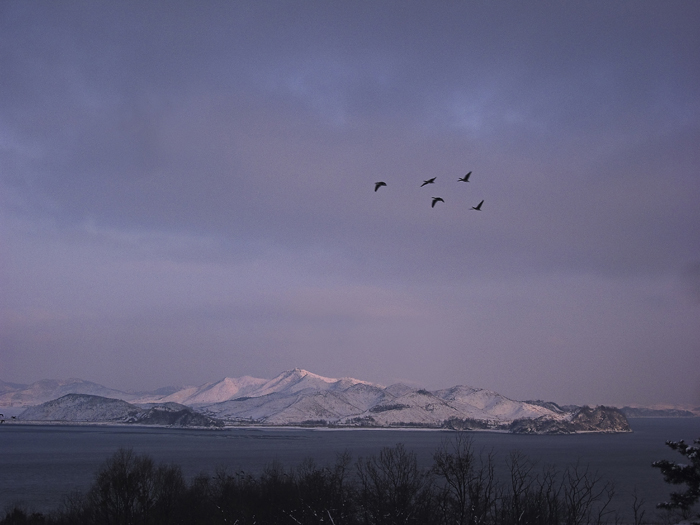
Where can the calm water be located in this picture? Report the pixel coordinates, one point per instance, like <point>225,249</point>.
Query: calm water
<point>39,464</point>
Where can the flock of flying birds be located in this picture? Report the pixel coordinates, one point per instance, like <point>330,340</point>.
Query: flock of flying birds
<point>379,184</point>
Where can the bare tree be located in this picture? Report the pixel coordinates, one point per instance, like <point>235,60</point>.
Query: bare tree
<point>637,508</point>
<point>391,487</point>
<point>586,496</point>
<point>323,493</point>
<point>520,476</point>
<point>124,489</point>
<point>467,481</point>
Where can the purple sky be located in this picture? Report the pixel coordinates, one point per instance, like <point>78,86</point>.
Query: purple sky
<point>186,193</point>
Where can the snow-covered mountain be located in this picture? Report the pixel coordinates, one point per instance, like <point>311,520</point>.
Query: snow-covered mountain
<point>354,403</point>
<point>299,397</point>
<point>83,408</point>
<point>287,383</point>
<point>227,388</point>
<point>18,395</point>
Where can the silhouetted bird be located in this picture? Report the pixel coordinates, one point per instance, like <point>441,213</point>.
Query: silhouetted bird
<point>465,178</point>
<point>478,206</point>
<point>436,200</point>
<point>378,185</point>
<point>429,181</point>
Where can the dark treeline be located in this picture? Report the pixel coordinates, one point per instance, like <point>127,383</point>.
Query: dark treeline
<point>461,488</point>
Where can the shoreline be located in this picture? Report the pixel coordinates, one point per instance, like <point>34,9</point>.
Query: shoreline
<point>293,427</point>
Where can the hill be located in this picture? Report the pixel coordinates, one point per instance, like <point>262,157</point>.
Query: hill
<point>83,408</point>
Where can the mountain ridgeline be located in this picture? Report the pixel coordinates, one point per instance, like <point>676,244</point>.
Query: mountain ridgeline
<point>300,398</point>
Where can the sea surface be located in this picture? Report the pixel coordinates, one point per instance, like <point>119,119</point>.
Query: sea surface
<point>39,464</point>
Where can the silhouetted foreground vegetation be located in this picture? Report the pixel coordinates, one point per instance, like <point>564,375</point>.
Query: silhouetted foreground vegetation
<point>682,474</point>
<point>461,488</point>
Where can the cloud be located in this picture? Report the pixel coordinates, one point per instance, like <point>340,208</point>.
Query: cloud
<point>198,180</point>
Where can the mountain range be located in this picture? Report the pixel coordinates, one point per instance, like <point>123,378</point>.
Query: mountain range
<point>299,397</point>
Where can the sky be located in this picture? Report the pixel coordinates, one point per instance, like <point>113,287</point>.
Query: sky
<point>187,193</point>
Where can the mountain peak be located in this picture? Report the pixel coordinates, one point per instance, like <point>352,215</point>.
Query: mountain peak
<point>301,373</point>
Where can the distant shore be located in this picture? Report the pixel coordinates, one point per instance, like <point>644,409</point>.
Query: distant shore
<point>287,427</point>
